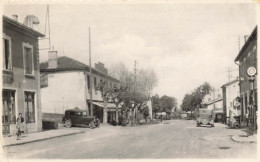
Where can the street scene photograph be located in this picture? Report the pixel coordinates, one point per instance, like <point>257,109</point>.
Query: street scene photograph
<point>129,80</point>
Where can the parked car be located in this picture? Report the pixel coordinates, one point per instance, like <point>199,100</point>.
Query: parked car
<point>77,117</point>
<point>206,117</point>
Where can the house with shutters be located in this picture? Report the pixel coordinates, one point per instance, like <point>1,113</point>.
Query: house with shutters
<point>66,84</point>
<point>20,76</point>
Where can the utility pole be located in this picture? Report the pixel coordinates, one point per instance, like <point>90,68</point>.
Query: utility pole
<point>238,44</point>
<point>229,73</point>
<point>90,75</point>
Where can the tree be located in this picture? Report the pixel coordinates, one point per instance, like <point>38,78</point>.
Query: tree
<point>193,100</point>
<point>155,103</point>
<point>167,104</point>
<point>138,87</point>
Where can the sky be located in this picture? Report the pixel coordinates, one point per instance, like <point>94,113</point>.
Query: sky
<point>185,44</point>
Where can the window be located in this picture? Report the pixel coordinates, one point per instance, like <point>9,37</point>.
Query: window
<point>95,82</point>
<point>29,107</point>
<point>28,59</point>
<point>8,110</point>
<point>7,57</point>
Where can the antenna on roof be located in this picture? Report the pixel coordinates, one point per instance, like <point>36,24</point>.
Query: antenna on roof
<point>31,20</point>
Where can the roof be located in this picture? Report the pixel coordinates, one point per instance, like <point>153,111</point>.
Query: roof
<point>22,26</point>
<point>229,83</point>
<point>250,38</point>
<point>213,101</point>
<point>68,64</point>
<point>76,110</point>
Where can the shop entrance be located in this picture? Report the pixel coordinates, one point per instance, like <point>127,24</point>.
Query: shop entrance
<point>8,110</point>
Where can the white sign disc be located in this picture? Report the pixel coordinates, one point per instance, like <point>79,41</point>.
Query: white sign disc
<point>251,71</point>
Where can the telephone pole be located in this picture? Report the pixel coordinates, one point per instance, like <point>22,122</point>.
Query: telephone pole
<point>90,75</point>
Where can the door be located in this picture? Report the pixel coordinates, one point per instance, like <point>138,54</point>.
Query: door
<point>8,110</point>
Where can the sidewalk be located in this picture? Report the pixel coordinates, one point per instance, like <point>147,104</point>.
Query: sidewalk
<point>245,138</point>
<point>38,136</point>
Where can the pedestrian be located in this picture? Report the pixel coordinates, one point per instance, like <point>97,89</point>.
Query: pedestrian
<point>247,119</point>
<point>19,125</point>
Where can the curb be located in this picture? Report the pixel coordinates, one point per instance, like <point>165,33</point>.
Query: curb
<point>42,139</point>
<point>241,141</point>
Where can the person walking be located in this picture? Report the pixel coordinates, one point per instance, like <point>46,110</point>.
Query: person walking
<point>19,125</point>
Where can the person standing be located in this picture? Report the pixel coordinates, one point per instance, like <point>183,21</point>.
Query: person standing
<point>19,122</point>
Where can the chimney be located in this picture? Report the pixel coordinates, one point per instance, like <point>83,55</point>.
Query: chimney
<point>246,37</point>
<point>101,67</point>
<point>15,17</point>
<point>52,59</point>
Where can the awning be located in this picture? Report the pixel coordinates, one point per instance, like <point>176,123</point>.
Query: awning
<point>110,106</point>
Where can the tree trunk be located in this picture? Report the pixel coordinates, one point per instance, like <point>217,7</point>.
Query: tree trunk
<point>116,114</point>
<point>105,111</point>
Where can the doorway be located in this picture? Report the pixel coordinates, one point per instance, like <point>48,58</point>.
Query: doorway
<point>8,110</point>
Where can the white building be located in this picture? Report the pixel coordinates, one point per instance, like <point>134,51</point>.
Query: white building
<point>230,93</point>
<point>65,84</point>
<point>214,100</point>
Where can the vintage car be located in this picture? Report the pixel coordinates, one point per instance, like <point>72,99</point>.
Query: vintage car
<point>77,117</point>
<point>205,117</point>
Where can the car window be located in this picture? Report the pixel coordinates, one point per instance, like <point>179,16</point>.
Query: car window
<point>84,113</point>
<point>79,113</point>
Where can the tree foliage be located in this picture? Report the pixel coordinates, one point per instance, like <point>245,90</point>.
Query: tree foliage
<point>193,100</point>
<point>163,104</point>
<point>134,90</point>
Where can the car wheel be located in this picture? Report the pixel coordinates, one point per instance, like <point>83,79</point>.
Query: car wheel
<point>198,124</point>
<point>68,123</point>
<point>91,125</point>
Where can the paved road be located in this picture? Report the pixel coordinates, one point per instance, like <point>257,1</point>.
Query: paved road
<point>171,139</point>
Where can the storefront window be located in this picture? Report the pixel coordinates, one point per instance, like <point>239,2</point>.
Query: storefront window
<point>29,107</point>
<point>8,110</point>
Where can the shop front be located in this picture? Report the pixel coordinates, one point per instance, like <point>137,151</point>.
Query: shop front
<point>8,111</point>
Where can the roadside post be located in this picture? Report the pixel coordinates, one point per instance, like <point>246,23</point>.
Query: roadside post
<point>251,72</point>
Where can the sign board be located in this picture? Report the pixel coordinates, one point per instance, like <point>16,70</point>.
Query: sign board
<point>251,71</point>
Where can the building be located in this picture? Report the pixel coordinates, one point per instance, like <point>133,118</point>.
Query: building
<point>230,92</point>
<point>247,57</point>
<point>21,77</point>
<point>213,100</point>
<point>65,84</point>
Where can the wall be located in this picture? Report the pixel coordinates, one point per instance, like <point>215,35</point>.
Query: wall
<point>21,82</point>
<point>96,94</point>
<point>65,91</point>
<point>248,58</point>
<point>232,91</point>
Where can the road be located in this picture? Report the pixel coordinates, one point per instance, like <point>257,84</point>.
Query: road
<point>170,139</point>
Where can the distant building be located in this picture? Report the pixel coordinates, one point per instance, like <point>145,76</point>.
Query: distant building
<point>246,58</point>
<point>230,93</point>
<point>21,77</point>
<point>65,84</point>
<point>213,100</point>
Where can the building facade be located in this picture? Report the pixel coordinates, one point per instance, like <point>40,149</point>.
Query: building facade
<point>213,100</point>
<point>230,92</point>
<point>21,77</point>
<point>246,58</point>
<point>66,84</point>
